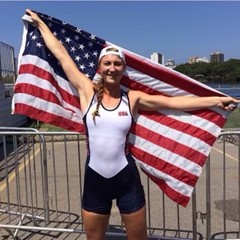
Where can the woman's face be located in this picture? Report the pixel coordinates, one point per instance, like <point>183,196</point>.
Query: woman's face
<point>111,68</point>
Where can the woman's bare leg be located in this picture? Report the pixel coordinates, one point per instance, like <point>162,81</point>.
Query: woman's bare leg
<point>95,225</point>
<point>135,224</point>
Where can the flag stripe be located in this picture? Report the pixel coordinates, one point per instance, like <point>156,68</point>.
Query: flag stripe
<point>43,65</point>
<point>40,103</point>
<point>49,117</point>
<point>170,76</point>
<point>129,83</point>
<point>179,136</point>
<point>214,117</point>
<point>171,145</point>
<point>169,180</point>
<point>165,155</point>
<point>185,126</point>
<point>176,196</point>
<point>162,166</point>
<point>45,75</point>
<point>140,81</point>
<point>47,95</point>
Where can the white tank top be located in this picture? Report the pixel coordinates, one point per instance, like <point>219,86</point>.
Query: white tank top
<point>107,137</point>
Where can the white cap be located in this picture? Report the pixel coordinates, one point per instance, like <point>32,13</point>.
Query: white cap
<point>112,50</point>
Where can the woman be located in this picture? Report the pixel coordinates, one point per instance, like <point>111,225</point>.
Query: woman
<point>111,172</point>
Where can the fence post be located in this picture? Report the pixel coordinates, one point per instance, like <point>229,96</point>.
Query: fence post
<point>45,179</point>
<point>208,197</point>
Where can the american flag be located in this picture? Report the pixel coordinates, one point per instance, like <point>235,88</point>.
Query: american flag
<point>171,147</point>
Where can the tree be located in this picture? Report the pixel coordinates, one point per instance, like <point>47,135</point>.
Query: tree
<point>228,71</point>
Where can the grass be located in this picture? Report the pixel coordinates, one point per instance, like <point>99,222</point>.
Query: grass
<point>45,127</point>
<point>50,128</point>
<point>233,120</point>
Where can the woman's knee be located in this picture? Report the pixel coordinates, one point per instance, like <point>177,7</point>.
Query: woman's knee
<point>95,225</point>
<point>135,224</point>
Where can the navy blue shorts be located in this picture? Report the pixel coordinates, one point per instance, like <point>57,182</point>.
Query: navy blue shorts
<point>125,187</point>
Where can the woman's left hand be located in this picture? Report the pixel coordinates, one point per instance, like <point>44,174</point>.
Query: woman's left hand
<point>228,103</point>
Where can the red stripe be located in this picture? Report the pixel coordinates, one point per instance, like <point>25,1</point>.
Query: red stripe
<point>41,73</point>
<point>47,117</point>
<point>133,84</point>
<point>210,115</point>
<point>163,166</point>
<point>169,144</point>
<point>203,113</point>
<point>170,192</point>
<point>40,93</point>
<point>181,126</point>
<point>37,92</point>
<point>169,76</point>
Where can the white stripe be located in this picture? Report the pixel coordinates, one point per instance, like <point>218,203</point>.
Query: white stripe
<point>162,87</point>
<point>63,83</point>
<point>47,107</point>
<point>178,136</point>
<point>193,120</point>
<point>154,83</point>
<point>187,118</point>
<point>166,155</point>
<point>166,69</point>
<point>147,80</point>
<point>45,85</point>
<point>173,183</point>
<point>24,39</point>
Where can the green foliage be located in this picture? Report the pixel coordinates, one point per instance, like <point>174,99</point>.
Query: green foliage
<point>226,72</point>
<point>233,120</point>
<point>43,127</point>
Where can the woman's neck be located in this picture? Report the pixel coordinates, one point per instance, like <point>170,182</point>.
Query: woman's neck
<point>112,92</point>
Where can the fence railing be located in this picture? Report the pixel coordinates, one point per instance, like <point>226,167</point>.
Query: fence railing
<point>41,177</point>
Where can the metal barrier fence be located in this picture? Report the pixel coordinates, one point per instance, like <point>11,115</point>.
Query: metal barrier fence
<point>7,64</point>
<point>41,185</point>
<point>8,70</point>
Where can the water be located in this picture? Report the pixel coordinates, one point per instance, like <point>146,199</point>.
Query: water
<point>232,90</point>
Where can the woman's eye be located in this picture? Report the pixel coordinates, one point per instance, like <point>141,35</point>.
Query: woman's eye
<point>118,64</point>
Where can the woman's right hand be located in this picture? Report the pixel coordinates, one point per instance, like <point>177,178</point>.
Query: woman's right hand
<point>35,18</point>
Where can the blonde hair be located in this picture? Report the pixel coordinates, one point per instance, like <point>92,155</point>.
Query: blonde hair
<point>99,90</point>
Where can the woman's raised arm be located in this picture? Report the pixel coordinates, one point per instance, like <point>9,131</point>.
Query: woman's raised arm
<point>82,83</point>
<point>148,102</point>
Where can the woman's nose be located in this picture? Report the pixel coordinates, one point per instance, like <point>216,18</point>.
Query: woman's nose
<point>112,67</point>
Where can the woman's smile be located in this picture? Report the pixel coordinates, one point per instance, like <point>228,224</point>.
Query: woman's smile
<point>111,67</point>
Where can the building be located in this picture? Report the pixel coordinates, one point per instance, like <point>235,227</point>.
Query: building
<point>203,59</point>
<point>197,60</point>
<point>192,60</point>
<point>157,57</point>
<point>170,63</point>
<point>217,57</point>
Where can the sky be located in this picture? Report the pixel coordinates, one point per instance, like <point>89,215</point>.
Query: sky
<point>176,29</point>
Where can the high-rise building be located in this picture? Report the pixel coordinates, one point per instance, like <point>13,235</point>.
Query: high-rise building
<point>217,57</point>
<point>157,57</point>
